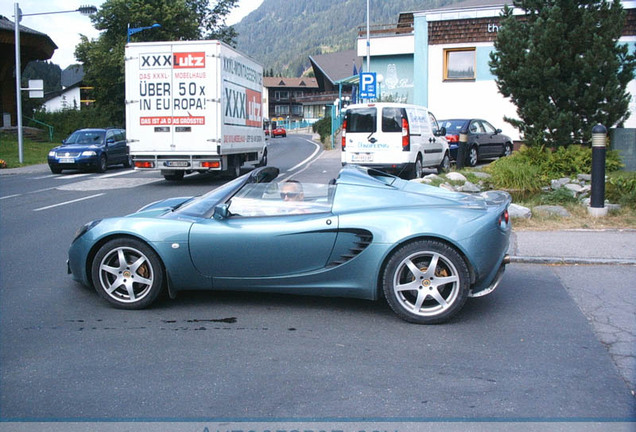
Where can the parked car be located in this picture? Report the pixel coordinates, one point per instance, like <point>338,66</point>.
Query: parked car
<point>396,138</point>
<point>279,131</point>
<point>484,141</point>
<point>367,234</point>
<point>91,149</point>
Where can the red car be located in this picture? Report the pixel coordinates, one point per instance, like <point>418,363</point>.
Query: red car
<point>279,131</point>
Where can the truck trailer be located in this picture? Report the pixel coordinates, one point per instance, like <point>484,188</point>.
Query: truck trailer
<point>193,106</point>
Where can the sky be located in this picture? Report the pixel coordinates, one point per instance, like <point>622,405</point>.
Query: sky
<point>65,29</point>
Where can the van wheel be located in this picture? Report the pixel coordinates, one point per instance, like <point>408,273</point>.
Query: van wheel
<point>417,170</point>
<point>445,165</point>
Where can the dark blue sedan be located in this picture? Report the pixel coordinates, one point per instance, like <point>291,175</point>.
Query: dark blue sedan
<point>484,140</point>
<point>91,149</point>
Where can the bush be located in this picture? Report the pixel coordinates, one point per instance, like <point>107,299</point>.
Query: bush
<point>515,174</point>
<point>66,121</point>
<point>323,128</point>
<point>621,189</point>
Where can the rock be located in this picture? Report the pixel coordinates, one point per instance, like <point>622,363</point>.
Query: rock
<point>455,176</point>
<point>482,175</point>
<point>576,188</point>
<point>584,177</point>
<point>469,187</point>
<point>433,177</point>
<point>517,211</point>
<point>447,187</point>
<point>557,184</point>
<point>550,210</point>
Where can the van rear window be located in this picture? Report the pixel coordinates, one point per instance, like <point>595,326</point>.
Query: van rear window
<point>361,120</point>
<point>392,120</point>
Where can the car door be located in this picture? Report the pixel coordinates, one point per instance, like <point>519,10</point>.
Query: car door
<point>492,140</point>
<point>262,248</point>
<point>435,144</point>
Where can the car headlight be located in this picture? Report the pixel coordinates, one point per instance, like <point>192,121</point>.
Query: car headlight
<point>84,229</point>
<point>52,153</point>
<point>89,153</point>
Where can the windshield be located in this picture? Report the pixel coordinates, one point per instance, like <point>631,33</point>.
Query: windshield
<point>86,137</point>
<point>283,198</point>
<point>203,205</point>
<point>452,126</point>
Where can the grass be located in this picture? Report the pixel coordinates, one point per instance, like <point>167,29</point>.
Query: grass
<point>33,152</point>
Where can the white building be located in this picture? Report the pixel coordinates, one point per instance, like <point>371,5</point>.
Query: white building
<point>439,58</point>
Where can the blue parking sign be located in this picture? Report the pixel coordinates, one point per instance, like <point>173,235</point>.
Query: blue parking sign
<point>368,85</point>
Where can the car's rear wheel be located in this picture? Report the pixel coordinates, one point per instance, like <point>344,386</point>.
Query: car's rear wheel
<point>473,156</point>
<point>127,273</point>
<point>128,162</point>
<point>263,161</point>
<point>426,282</point>
<point>416,170</point>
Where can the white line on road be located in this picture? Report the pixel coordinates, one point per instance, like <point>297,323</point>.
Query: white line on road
<point>68,202</point>
<point>309,158</point>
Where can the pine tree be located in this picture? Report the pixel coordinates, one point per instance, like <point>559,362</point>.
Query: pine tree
<point>563,68</point>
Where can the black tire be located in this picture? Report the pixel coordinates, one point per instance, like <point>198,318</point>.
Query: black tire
<point>263,161</point>
<point>102,164</point>
<point>507,149</point>
<point>444,166</point>
<point>128,162</point>
<point>415,171</point>
<point>234,170</point>
<point>176,176</point>
<point>127,273</point>
<point>422,295</point>
<point>473,156</point>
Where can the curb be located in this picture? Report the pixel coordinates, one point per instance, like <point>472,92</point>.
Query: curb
<point>571,261</point>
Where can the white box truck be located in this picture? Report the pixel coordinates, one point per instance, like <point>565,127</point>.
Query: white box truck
<point>193,106</point>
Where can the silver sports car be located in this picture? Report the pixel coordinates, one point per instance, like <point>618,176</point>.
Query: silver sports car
<point>366,234</point>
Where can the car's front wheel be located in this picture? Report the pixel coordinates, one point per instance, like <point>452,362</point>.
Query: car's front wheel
<point>444,166</point>
<point>426,282</point>
<point>127,273</point>
<point>102,164</point>
<point>507,149</point>
<point>473,156</point>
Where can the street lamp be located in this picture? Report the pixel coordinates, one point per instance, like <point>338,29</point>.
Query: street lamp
<point>84,10</point>
<point>132,31</point>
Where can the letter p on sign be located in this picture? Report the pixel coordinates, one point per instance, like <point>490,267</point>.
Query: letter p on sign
<point>368,85</point>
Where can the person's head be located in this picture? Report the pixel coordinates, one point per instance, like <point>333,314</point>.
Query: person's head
<point>291,190</point>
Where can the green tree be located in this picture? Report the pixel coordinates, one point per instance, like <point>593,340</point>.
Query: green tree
<point>103,58</point>
<point>563,68</point>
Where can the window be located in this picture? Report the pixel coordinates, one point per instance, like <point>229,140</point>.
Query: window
<point>392,120</point>
<point>280,110</point>
<point>459,64</point>
<point>281,95</point>
<point>361,120</point>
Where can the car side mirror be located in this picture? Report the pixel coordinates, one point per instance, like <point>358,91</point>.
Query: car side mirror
<point>441,131</point>
<point>110,140</point>
<point>498,131</point>
<point>221,212</point>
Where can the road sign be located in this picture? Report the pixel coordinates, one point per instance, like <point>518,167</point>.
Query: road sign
<point>368,85</point>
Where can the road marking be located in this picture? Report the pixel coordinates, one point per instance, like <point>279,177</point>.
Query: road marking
<point>71,177</point>
<point>116,174</point>
<point>68,202</point>
<point>10,196</point>
<point>309,158</point>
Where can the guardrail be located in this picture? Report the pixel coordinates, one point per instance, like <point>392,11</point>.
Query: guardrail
<point>50,128</point>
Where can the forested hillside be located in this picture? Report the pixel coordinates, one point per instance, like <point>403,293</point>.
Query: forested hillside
<point>281,34</point>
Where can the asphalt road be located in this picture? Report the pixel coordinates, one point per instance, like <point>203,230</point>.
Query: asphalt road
<point>524,353</point>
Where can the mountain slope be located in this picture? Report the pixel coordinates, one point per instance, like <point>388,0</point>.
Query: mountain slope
<point>282,34</point>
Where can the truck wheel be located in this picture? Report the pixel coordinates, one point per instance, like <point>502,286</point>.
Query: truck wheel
<point>175,176</point>
<point>235,167</point>
<point>263,161</point>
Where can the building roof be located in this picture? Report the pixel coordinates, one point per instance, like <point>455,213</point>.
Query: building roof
<point>331,68</point>
<point>72,75</point>
<point>281,82</point>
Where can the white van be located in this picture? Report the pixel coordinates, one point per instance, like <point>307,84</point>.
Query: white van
<point>393,137</point>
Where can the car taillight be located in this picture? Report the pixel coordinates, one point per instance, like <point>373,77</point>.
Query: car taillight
<point>452,138</point>
<point>406,136</point>
<point>211,164</point>
<point>504,218</point>
<point>344,135</point>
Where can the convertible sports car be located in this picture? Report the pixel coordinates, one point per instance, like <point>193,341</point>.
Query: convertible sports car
<point>367,234</point>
